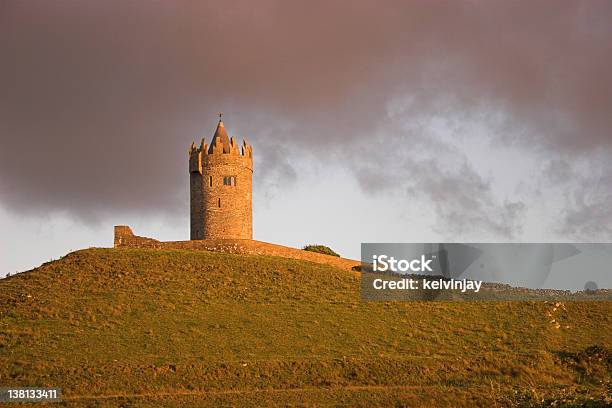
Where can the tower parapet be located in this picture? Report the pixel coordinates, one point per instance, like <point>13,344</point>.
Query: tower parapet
<point>221,188</point>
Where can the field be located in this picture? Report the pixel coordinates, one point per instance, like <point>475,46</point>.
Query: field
<point>142,327</point>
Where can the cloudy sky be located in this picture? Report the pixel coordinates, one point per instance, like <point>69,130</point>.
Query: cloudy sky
<point>371,121</point>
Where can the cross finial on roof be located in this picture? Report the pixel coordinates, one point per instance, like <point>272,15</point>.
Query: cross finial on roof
<point>220,116</point>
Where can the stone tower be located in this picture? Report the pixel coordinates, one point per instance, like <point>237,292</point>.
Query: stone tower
<point>221,188</point>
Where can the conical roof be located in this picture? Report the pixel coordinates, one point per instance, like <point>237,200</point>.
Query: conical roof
<point>220,136</point>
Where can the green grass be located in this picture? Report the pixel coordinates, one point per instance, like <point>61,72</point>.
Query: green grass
<point>175,328</point>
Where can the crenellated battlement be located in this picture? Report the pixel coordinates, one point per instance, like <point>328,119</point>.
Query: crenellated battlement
<point>220,144</point>
<point>247,150</point>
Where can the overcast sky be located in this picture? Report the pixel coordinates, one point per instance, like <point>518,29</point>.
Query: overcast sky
<point>370,121</point>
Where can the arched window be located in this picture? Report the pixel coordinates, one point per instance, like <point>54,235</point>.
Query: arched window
<point>219,202</point>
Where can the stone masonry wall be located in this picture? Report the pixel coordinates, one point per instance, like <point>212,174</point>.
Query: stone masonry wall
<point>197,206</point>
<point>125,238</point>
<point>227,208</point>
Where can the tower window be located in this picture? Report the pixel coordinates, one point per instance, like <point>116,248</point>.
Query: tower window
<point>210,180</point>
<point>229,181</point>
<point>219,202</point>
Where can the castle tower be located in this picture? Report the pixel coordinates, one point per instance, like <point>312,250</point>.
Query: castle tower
<point>221,188</point>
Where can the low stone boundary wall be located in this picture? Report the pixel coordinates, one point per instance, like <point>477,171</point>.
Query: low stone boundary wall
<point>125,238</point>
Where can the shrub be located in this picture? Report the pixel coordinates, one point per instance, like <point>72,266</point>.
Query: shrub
<point>321,249</point>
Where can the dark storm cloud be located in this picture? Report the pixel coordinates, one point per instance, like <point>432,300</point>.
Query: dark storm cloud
<point>99,100</point>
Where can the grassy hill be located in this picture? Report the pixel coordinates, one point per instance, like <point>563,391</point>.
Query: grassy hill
<point>170,328</point>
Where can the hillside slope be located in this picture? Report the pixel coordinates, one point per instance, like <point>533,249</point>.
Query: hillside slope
<point>169,328</point>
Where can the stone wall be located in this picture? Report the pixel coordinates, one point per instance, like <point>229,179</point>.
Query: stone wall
<point>196,205</point>
<point>125,238</point>
<point>227,208</point>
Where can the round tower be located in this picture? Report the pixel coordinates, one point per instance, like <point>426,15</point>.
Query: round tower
<point>221,188</point>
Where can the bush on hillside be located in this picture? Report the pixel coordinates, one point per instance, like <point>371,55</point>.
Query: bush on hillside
<point>320,249</point>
